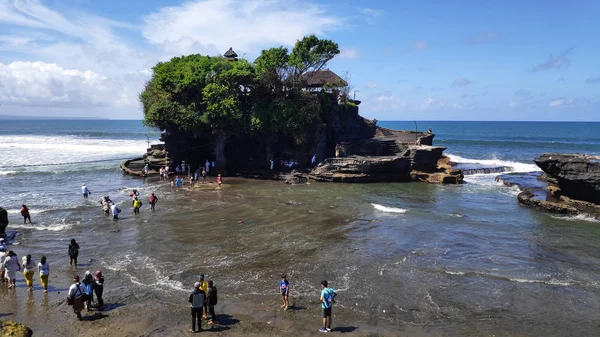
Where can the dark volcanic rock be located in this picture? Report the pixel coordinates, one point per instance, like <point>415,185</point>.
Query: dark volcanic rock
<point>296,178</point>
<point>577,176</point>
<point>3,220</point>
<point>528,198</point>
<point>363,169</point>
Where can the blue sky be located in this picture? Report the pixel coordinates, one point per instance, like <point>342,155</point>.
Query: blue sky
<point>424,60</point>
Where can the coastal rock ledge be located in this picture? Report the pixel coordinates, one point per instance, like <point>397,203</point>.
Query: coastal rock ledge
<point>14,329</point>
<point>573,185</point>
<point>572,175</point>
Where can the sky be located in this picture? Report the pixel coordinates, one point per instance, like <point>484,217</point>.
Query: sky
<point>405,60</point>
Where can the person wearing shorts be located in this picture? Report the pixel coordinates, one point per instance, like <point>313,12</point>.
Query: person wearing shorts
<point>327,299</point>
<point>284,289</point>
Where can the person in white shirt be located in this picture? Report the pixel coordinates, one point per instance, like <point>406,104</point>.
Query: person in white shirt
<point>85,191</point>
<point>115,210</point>
<point>76,292</point>
<point>44,270</point>
<point>146,169</point>
<point>28,270</point>
<point>11,266</point>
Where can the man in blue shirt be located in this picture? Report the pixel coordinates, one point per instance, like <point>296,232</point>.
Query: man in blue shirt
<point>327,299</point>
<point>284,288</point>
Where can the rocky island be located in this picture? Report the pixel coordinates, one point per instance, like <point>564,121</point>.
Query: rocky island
<point>284,112</point>
<point>572,185</point>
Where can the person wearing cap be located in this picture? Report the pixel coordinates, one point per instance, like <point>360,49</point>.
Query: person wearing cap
<point>99,288</point>
<point>197,301</point>
<point>85,191</point>
<point>204,287</point>
<point>284,289</point>
<point>76,293</point>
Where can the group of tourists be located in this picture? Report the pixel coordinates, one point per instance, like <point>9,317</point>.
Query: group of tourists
<point>81,294</point>
<point>203,300</point>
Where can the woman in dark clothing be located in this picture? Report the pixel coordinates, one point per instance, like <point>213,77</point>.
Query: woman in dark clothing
<point>99,288</point>
<point>211,301</point>
<point>73,252</point>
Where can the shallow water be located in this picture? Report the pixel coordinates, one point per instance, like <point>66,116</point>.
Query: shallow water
<point>468,259</point>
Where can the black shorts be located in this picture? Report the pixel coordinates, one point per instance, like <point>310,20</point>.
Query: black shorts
<point>326,312</point>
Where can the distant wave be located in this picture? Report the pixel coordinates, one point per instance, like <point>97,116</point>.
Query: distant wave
<point>388,209</point>
<point>7,173</point>
<point>516,166</point>
<point>522,142</point>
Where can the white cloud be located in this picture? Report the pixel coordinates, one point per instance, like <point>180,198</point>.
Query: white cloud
<point>247,26</point>
<point>461,82</point>
<point>44,84</point>
<point>371,12</point>
<point>561,103</point>
<point>371,85</point>
<point>384,98</point>
<point>430,103</point>
<point>348,53</point>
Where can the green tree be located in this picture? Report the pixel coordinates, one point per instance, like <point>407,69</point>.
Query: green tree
<point>312,54</point>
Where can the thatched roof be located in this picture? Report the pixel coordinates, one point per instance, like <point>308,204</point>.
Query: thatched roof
<point>230,53</point>
<point>320,78</point>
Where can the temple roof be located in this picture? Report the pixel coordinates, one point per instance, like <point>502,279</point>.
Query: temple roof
<point>323,77</point>
<point>230,53</point>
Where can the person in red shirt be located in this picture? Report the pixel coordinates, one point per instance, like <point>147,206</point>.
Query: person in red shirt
<point>219,182</point>
<point>25,214</point>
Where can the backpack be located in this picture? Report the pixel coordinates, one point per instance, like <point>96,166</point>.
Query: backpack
<point>73,250</point>
<point>329,297</point>
<point>198,300</point>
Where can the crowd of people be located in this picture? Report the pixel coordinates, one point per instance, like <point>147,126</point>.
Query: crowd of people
<point>203,298</point>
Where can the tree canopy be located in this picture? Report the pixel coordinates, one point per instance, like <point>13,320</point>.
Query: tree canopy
<point>214,94</point>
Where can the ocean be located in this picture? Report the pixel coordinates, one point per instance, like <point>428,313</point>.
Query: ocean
<point>462,260</point>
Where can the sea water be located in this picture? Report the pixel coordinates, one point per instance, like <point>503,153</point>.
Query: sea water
<point>466,259</point>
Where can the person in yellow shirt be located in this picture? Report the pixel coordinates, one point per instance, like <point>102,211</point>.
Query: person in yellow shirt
<point>204,287</point>
<point>137,204</point>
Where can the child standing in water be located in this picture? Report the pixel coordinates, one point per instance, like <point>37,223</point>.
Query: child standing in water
<point>44,269</point>
<point>284,288</point>
<point>219,182</point>
<point>153,200</point>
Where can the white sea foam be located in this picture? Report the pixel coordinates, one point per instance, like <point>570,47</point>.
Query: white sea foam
<point>7,173</point>
<point>388,209</point>
<point>495,162</point>
<point>578,217</point>
<point>52,228</point>
<point>551,282</point>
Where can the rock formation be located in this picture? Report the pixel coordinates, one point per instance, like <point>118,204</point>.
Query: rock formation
<point>14,329</point>
<point>576,176</point>
<point>3,221</point>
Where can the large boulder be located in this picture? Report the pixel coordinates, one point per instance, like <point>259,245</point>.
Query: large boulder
<point>3,220</point>
<point>14,329</point>
<point>577,176</point>
<point>363,169</point>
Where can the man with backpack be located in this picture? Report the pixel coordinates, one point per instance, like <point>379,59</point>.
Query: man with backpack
<point>327,299</point>
<point>211,301</point>
<point>197,301</point>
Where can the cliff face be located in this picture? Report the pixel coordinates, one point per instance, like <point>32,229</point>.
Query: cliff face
<point>575,176</point>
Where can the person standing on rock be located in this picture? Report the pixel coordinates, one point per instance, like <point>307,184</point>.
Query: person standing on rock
<point>327,299</point>
<point>85,191</point>
<point>25,214</point>
<point>11,267</point>
<point>197,301</point>
<point>203,176</point>
<point>73,252</point>
<point>28,271</point>
<point>44,270</point>
<point>76,295</point>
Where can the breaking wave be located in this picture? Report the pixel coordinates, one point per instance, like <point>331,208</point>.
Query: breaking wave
<point>388,209</point>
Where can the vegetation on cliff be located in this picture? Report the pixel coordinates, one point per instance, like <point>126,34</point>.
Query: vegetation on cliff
<point>267,99</point>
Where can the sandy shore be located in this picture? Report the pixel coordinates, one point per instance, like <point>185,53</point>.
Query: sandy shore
<point>134,311</point>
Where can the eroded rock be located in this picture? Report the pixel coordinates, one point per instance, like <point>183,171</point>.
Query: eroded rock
<point>14,329</point>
